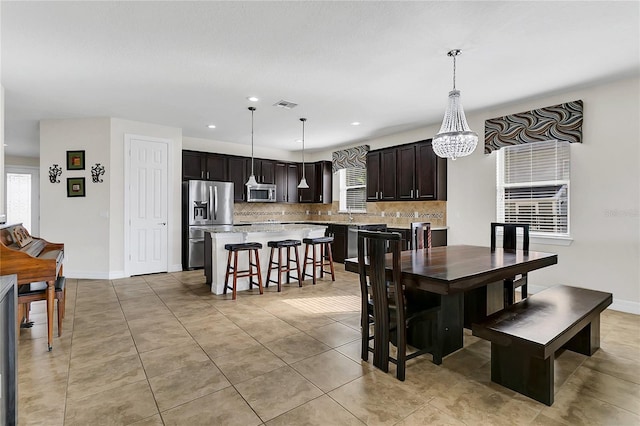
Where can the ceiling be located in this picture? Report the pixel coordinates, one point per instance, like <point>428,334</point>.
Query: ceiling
<point>383,64</point>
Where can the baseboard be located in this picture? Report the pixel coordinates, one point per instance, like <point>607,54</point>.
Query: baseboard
<point>111,275</point>
<point>86,275</point>
<point>627,306</point>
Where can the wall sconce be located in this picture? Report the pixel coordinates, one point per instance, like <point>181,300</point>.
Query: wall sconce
<point>96,172</point>
<point>54,172</point>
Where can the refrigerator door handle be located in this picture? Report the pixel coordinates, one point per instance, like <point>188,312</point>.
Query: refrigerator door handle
<point>212,213</point>
<point>215,203</point>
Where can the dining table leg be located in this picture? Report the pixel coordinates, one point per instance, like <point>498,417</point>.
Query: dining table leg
<point>451,328</point>
<point>51,291</point>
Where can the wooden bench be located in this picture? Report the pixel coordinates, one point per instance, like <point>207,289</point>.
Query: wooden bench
<point>525,336</point>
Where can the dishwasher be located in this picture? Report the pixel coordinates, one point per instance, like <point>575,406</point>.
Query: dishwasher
<point>352,236</point>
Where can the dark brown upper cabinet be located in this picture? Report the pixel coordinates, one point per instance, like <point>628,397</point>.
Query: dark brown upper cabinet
<point>263,170</point>
<point>406,173</point>
<point>382,175</point>
<point>320,179</point>
<point>237,174</point>
<point>286,182</point>
<point>204,166</point>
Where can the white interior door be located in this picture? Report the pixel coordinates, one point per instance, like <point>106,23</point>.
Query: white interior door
<point>148,206</point>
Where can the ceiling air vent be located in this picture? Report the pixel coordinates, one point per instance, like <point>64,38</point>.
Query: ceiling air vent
<point>285,104</point>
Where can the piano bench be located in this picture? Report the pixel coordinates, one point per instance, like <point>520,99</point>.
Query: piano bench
<point>37,291</point>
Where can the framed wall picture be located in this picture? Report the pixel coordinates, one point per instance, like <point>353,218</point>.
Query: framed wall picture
<point>75,160</point>
<point>75,187</point>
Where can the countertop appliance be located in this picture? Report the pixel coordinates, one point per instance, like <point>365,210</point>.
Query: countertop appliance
<point>204,203</point>
<point>261,193</point>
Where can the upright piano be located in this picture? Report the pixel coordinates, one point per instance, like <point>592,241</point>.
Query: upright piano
<point>32,260</point>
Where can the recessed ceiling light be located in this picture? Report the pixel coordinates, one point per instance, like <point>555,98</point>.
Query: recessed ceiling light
<point>211,126</point>
<point>253,99</point>
<point>355,123</point>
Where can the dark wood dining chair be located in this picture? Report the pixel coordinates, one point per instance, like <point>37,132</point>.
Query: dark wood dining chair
<point>384,305</point>
<point>420,235</point>
<point>510,242</point>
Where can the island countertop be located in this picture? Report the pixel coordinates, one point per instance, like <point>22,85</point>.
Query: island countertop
<point>260,228</point>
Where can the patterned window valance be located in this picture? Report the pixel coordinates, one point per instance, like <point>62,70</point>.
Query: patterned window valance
<point>561,122</point>
<point>349,158</point>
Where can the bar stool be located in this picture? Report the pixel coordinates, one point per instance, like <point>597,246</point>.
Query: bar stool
<point>326,258</point>
<point>288,245</point>
<point>235,249</point>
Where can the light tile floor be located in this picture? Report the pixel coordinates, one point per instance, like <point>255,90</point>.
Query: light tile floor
<point>161,349</point>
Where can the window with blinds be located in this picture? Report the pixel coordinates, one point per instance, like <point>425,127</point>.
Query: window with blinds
<point>353,189</point>
<point>533,186</point>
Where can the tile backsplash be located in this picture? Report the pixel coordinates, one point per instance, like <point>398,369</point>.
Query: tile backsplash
<point>394,214</point>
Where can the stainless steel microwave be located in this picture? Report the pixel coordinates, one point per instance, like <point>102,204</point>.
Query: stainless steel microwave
<point>261,193</point>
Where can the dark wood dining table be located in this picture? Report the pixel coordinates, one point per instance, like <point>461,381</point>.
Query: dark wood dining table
<point>460,277</point>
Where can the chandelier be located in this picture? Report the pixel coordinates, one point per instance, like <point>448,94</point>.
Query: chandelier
<point>455,138</point>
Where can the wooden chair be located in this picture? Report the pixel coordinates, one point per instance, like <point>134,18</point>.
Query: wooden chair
<point>28,293</point>
<point>420,235</point>
<point>383,303</point>
<point>510,242</point>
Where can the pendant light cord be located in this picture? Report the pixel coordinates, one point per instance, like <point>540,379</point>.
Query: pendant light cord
<point>303,120</point>
<point>252,109</point>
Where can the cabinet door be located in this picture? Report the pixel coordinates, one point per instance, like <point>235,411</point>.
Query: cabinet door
<point>267,171</point>
<point>216,167</point>
<point>308,195</point>
<point>238,175</point>
<point>339,246</point>
<point>427,172</point>
<point>324,182</point>
<point>373,175</point>
<point>292,183</point>
<point>388,175</point>
<point>406,172</point>
<point>192,165</point>
<point>282,187</point>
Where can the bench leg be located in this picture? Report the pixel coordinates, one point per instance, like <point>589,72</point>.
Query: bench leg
<point>516,370</point>
<point>587,341</point>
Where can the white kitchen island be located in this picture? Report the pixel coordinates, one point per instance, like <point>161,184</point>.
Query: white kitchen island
<point>215,262</point>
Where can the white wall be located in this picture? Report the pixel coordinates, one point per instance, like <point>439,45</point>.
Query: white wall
<point>2,183</point>
<point>81,223</point>
<point>209,145</point>
<point>11,160</point>
<point>605,192</point>
<point>119,128</point>
<point>92,227</point>
<point>605,176</point>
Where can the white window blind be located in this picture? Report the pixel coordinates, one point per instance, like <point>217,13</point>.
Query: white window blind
<point>353,189</point>
<point>533,186</point>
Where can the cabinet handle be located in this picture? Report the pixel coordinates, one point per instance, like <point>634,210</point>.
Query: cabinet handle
<point>300,197</point>
<point>381,195</point>
<point>412,193</point>
<point>320,198</point>
<point>202,174</point>
<point>417,193</point>
<point>207,175</point>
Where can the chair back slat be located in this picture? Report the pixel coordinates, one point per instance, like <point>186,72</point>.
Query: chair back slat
<point>510,235</point>
<point>420,235</point>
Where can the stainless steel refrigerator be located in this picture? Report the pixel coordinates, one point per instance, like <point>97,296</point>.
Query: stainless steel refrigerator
<point>205,203</point>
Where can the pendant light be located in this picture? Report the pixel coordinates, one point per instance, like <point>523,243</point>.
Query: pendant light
<point>303,182</point>
<point>252,178</point>
<point>455,138</point>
